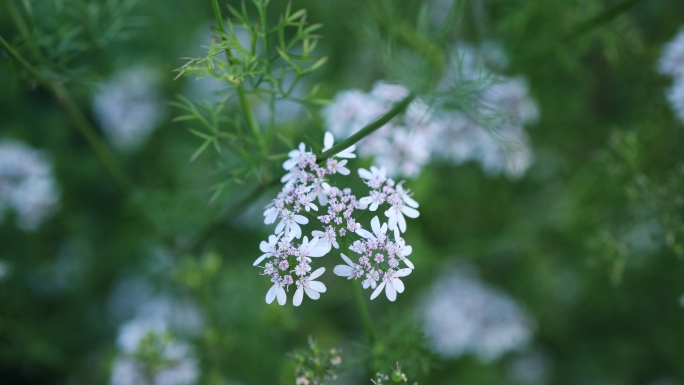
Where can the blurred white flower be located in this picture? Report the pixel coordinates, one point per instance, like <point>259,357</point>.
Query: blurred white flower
<point>488,129</point>
<point>672,61</point>
<point>129,107</point>
<point>27,185</point>
<point>463,315</point>
<point>675,96</point>
<point>175,362</point>
<point>531,368</point>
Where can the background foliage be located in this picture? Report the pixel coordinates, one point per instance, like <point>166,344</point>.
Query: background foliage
<point>589,241</point>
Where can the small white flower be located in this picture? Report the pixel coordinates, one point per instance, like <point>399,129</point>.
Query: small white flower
<point>312,288</point>
<point>379,232</point>
<point>371,280</point>
<point>276,291</point>
<point>338,166</point>
<point>396,213</point>
<point>329,140</point>
<point>375,199</point>
<point>350,270</point>
<point>269,249</point>
<point>375,177</point>
<point>404,195</point>
<point>392,284</point>
<point>270,215</point>
<point>290,223</point>
<point>311,249</point>
<point>295,157</point>
<point>327,239</point>
<point>402,249</point>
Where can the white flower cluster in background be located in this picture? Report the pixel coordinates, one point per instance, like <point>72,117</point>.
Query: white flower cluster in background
<point>150,355</point>
<point>288,256</point>
<point>672,63</point>
<point>463,315</point>
<point>27,185</point>
<point>129,107</point>
<point>490,132</point>
<point>150,351</point>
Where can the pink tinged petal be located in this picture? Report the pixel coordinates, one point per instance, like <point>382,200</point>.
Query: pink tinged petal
<point>403,272</point>
<point>317,273</point>
<point>410,212</point>
<point>298,296</point>
<point>390,291</point>
<point>408,263</point>
<point>375,224</point>
<point>318,286</point>
<point>258,261</point>
<point>270,296</point>
<point>313,294</point>
<point>364,233</point>
<point>342,270</point>
<point>398,285</point>
<point>347,260</point>
<point>301,219</point>
<point>282,297</point>
<point>378,290</point>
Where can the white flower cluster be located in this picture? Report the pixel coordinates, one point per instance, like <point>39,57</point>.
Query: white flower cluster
<point>129,107</point>
<point>288,259</point>
<point>491,132</point>
<point>463,315</point>
<point>27,185</point>
<point>176,364</point>
<point>672,63</point>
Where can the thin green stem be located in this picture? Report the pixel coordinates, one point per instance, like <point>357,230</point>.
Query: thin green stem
<point>362,307</point>
<point>242,96</point>
<point>75,114</point>
<point>396,109</point>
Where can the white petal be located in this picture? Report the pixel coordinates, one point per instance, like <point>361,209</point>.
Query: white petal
<point>410,212</point>
<point>402,223</point>
<point>313,294</point>
<point>270,296</point>
<point>366,283</point>
<point>280,227</point>
<point>298,296</point>
<point>342,270</point>
<point>364,233</point>
<point>319,251</point>
<point>409,201</point>
<point>317,273</point>
<point>296,230</point>
<point>365,174</point>
<point>301,219</point>
<point>392,218</point>
<point>258,261</point>
<point>390,291</point>
<point>403,272</point>
<point>408,263</point>
<point>374,206</point>
<point>343,170</point>
<point>347,260</point>
<point>375,225</point>
<point>328,140</point>
<point>318,286</point>
<point>282,297</point>
<point>318,234</point>
<point>378,290</point>
<point>398,285</point>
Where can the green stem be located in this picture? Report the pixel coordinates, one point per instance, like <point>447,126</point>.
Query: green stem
<point>362,307</point>
<point>76,115</point>
<point>396,109</point>
<point>242,96</point>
